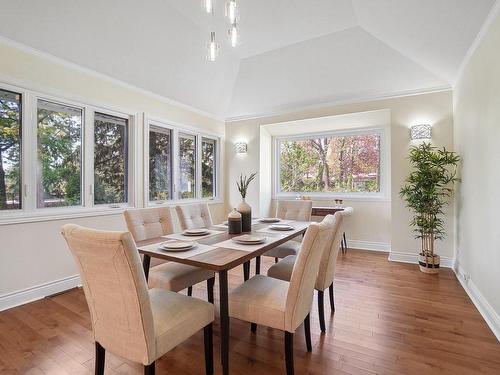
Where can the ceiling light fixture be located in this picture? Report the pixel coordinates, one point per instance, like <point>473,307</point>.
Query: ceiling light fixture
<point>213,48</point>
<point>209,5</point>
<point>232,11</point>
<point>233,34</point>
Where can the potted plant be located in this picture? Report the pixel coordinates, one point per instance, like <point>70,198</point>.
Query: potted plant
<point>244,208</point>
<point>427,191</point>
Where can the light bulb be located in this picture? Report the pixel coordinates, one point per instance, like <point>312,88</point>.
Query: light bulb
<point>209,5</point>
<point>231,11</point>
<point>233,34</point>
<point>213,48</point>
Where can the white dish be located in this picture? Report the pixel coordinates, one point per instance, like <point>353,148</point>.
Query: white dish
<point>196,232</point>
<point>178,245</point>
<point>248,239</point>
<point>270,220</point>
<point>282,227</point>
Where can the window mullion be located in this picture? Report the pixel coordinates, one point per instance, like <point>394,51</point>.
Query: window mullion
<point>29,152</point>
<point>175,164</point>
<point>197,158</point>
<point>88,160</point>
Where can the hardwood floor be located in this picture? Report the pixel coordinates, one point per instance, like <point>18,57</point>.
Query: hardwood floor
<point>389,319</point>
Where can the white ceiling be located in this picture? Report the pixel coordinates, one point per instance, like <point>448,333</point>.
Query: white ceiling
<point>294,53</point>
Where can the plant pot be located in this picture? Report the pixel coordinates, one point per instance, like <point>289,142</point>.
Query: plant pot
<point>246,216</point>
<point>429,264</point>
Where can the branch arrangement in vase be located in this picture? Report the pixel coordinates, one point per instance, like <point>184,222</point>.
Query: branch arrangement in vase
<point>427,191</point>
<point>244,182</point>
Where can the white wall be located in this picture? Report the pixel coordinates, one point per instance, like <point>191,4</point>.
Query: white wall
<point>381,224</point>
<point>33,255</point>
<point>477,139</point>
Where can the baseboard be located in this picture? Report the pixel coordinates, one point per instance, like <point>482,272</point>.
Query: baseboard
<point>485,309</point>
<point>396,256</point>
<point>367,245</point>
<point>21,297</point>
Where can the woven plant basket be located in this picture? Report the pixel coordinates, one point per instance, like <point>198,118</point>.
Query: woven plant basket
<point>429,264</point>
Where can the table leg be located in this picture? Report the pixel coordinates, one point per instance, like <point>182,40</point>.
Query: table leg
<point>146,261</point>
<point>257,265</point>
<point>246,271</point>
<point>224,321</point>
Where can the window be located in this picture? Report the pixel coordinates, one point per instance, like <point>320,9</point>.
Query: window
<point>208,171</point>
<point>10,150</point>
<point>110,159</point>
<point>330,164</point>
<point>187,166</point>
<point>59,144</point>
<point>160,164</point>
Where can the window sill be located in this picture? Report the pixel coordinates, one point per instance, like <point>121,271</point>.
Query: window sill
<point>184,201</point>
<point>332,197</point>
<point>58,214</point>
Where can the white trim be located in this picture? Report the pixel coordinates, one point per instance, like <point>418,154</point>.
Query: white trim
<point>488,313</point>
<point>494,11</point>
<point>68,64</point>
<point>396,256</point>
<point>369,245</point>
<point>21,297</point>
<point>352,100</point>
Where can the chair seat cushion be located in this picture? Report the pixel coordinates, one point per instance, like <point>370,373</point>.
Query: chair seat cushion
<point>260,300</point>
<point>283,269</point>
<point>288,248</point>
<point>175,276</point>
<point>177,317</point>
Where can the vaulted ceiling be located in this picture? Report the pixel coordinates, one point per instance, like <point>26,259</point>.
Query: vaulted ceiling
<point>293,53</point>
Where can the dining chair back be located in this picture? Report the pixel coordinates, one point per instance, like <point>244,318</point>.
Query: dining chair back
<point>195,215</point>
<point>294,210</point>
<point>328,261</point>
<point>115,289</point>
<point>305,272</point>
<point>146,223</point>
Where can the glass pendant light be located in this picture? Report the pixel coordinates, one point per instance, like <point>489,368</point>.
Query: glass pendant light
<point>232,11</point>
<point>208,5</point>
<point>233,35</point>
<point>213,48</point>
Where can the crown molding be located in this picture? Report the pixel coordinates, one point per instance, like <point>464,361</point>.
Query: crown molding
<point>68,64</point>
<point>351,100</point>
<point>494,12</point>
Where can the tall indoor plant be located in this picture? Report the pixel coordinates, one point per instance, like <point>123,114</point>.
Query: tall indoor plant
<point>427,191</point>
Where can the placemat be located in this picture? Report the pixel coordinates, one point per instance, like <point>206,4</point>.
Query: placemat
<point>230,244</point>
<point>199,249</point>
<point>180,236</point>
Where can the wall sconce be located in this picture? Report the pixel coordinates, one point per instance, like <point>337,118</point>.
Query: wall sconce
<point>241,147</point>
<point>421,131</point>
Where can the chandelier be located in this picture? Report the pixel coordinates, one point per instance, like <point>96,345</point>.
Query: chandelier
<point>232,14</point>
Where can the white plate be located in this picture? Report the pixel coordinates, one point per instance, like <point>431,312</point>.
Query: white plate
<point>248,239</point>
<point>178,245</point>
<point>270,220</point>
<point>281,227</point>
<point>196,232</point>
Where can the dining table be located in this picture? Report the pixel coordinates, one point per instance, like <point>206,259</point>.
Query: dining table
<point>218,252</point>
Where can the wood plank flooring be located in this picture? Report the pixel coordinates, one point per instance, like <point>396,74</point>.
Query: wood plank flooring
<point>390,319</point>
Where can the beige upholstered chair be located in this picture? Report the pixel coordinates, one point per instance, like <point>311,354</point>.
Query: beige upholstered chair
<point>148,223</point>
<point>127,319</point>
<point>195,215</point>
<point>326,275</point>
<point>281,304</point>
<point>291,210</point>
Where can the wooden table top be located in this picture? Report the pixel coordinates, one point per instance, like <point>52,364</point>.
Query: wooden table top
<point>222,258</point>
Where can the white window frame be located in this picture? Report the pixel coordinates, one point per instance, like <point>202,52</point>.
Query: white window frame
<point>175,129</point>
<point>384,178</point>
<point>29,211</point>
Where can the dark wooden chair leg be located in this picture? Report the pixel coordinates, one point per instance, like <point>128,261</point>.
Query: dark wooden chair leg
<point>253,327</point>
<point>190,291</point>
<point>210,290</point>
<point>332,301</point>
<point>146,261</point>
<point>100,355</point>
<point>276,260</point>
<point>342,248</point>
<point>345,241</point>
<point>257,265</point>
<point>246,271</point>
<point>209,351</point>
<point>321,311</point>
<point>150,369</point>
<point>289,353</point>
<point>307,333</point>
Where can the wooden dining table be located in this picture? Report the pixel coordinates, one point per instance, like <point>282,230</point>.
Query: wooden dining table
<point>222,259</point>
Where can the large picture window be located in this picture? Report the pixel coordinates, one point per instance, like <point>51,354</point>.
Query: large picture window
<point>10,150</point>
<point>59,147</point>
<point>110,159</point>
<point>330,164</point>
<point>160,164</point>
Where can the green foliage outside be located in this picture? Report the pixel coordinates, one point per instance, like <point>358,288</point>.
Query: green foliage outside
<point>207,168</point>
<point>159,166</point>
<point>187,155</point>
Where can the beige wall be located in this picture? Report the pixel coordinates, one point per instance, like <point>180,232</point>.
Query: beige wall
<point>34,254</point>
<point>477,139</point>
<point>373,222</point>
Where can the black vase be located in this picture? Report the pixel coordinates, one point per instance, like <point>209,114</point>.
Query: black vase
<point>246,216</point>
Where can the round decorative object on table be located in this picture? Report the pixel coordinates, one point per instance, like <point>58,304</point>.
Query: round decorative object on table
<point>246,216</point>
<point>234,222</point>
